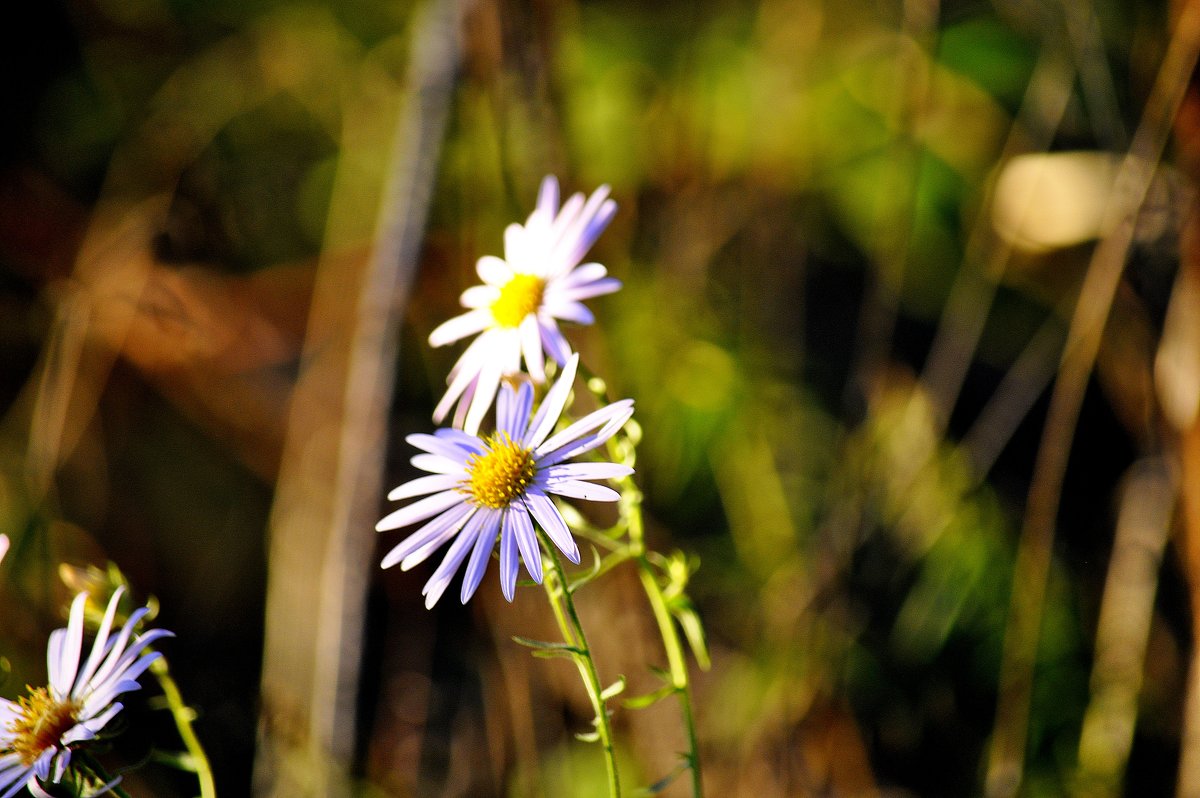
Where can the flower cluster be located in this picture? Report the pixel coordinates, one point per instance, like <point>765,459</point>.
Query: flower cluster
<point>483,487</point>
<point>39,732</point>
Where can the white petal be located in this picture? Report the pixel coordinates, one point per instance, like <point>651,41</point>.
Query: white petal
<point>461,326</point>
<point>454,556</point>
<point>87,731</point>
<point>437,464</point>
<point>485,542</point>
<point>36,790</point>
<point>584,444</point>
<point>584,273</point>
<point>552,405</point>
<point>485,392</point>
<point>10,766</point>
<point>583,231</point>
<point>508,554</point>
<point>111,666</point>
<point>420,510</point>
<point>589,290</point>
<point>505,400</point>
<point>465,369</point>
<point>9,711</point>
<point>517,252</point>
<point>552,340</point>
<point>432,543</point>
<point>41,765</point>
<point>512,410</point>
<point>470,443</point>
<point>547,202</point>
<point>437,445</point>
<point>587,471</point>
<point>72,647</point>
<point>428,537</point>
<point>424,485</point>
<point>575,489</point>
<point>597,418</point>
<point>13,779</point>
<point>479,296</point>
<point>493,271</point>
<point>54,656</point>
<point>98,647</point>
<point>526,539</point>
<point>122,664</point>
<point>569,310</point>
<point>567,216</point>
<point>531,347</point>
<point>464,403</point>
<point>551,520</point>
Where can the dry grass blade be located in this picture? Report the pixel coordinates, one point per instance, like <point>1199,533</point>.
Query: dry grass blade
<point>1124,627</point>
<point>331,475</point>
<point>1007,755</point>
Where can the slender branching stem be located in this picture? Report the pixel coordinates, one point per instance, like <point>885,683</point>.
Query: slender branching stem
<point>676,663</point>
<point>184,715</point>
<point>561,601</point>
<point>632,523</point>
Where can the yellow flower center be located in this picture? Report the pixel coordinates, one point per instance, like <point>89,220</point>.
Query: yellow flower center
<point>42,723</point>
<point>519,297</point>
<point>500,475</point>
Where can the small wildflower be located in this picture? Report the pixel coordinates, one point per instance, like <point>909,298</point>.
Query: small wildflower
<point>538,283</point>
<point>481,486</point>
<point>3,546</point>
<point>39,731</point>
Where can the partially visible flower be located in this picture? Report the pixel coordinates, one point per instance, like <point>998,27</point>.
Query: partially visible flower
<point>39,732</point>
<point>3,546</point>
<point>501,484</point>
<point>524,296</point>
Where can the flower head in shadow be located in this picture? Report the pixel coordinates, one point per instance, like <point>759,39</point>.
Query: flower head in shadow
<point>39,732</point>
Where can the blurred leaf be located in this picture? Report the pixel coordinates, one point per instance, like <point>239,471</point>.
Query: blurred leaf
<point>693,629</point>
<point>643,701</point>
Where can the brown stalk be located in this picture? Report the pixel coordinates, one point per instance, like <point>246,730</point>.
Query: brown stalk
<point>1031,572</point>
<point>327,497</point>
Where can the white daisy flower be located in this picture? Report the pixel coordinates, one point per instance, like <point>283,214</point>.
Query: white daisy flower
<point>39,732</point>
<point>479,487</point>
<point>538,283</point>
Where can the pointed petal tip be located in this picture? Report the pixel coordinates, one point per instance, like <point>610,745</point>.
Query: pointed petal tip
<point>389,559</point>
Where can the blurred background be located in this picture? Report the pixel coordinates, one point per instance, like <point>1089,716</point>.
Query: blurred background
<point>911,316</point>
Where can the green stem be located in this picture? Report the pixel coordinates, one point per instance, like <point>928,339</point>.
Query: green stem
<point>676,663</point>
<point>184,715</point>
<point>569,624</point>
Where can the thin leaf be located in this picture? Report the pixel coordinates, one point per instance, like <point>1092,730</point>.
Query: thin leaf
<point>689,620</point>
<point>542,645</point>
<point>643,701</point>
<point>662,784</point>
